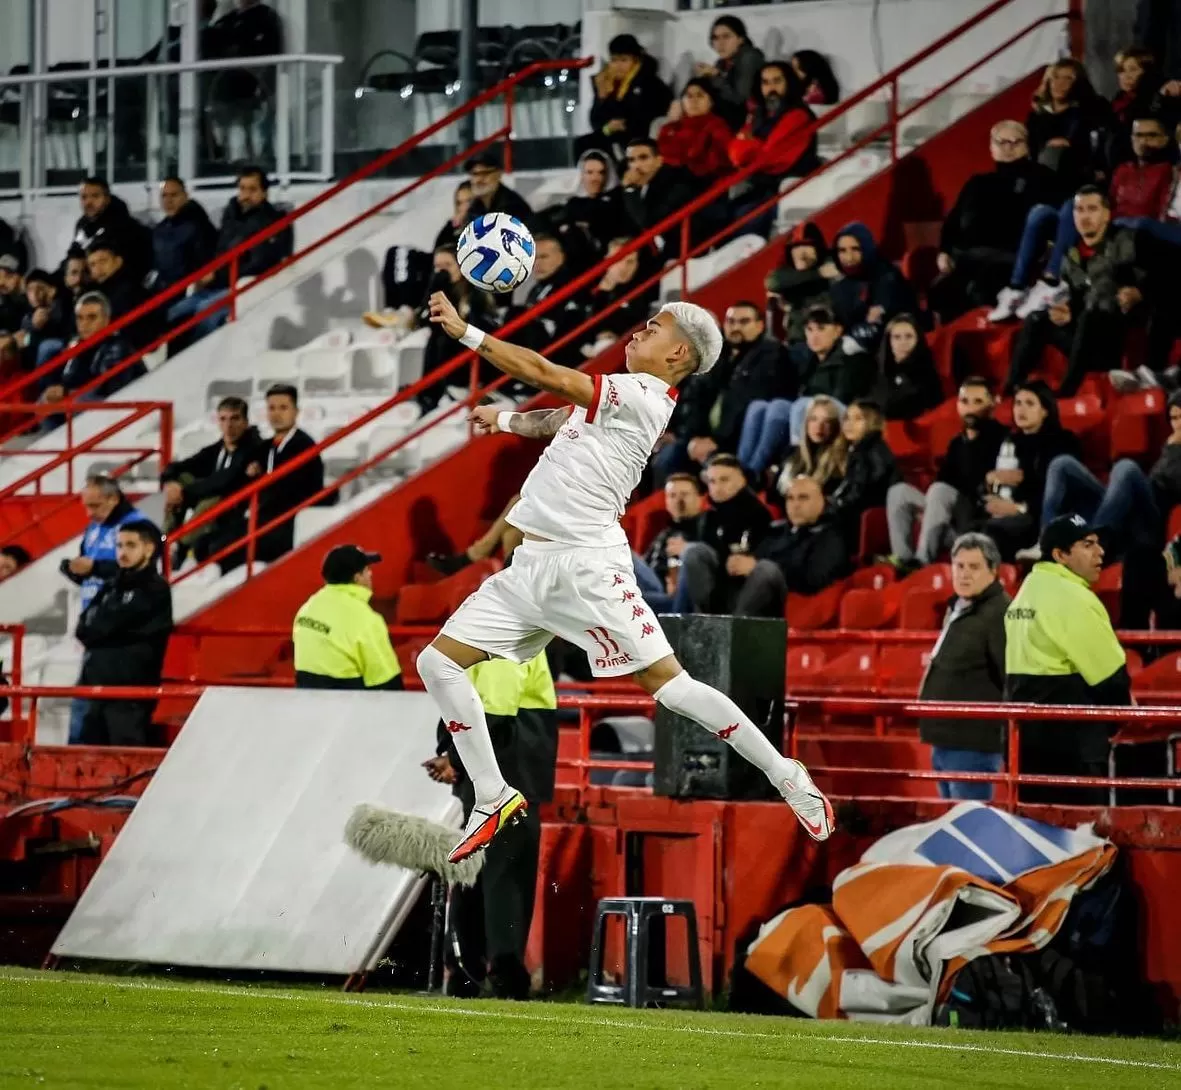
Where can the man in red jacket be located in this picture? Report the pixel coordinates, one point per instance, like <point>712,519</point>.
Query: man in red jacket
<point>1143,186</point>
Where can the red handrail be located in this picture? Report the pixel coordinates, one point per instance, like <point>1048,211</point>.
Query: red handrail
<point>230,258</point>
<point>584,280</point>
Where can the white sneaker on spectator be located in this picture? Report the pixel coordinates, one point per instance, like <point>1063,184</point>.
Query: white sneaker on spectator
<point>1123,382</point>
<point>1006,304</point>
<point>1034,552</point>
<point>1042,296</point>
<point>1147,377</point>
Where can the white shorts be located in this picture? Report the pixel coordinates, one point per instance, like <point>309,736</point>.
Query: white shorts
<point>586,596</point>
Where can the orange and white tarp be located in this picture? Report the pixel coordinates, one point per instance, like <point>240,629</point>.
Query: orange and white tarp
<point>921,903</point>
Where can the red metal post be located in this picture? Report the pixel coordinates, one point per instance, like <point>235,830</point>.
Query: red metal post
<point>251,541</point>
<point>234,289</point>
<point>508,124</point>
<point>684,258</point>
<point>69,446</point>
<point>166,426</point>
<point>894,120</point>
<point>1013,764</point>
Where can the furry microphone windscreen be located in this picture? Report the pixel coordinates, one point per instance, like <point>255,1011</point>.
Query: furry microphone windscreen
<point>402,840</point>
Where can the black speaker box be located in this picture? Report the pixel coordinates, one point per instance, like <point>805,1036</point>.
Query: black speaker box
<point>744,658</point>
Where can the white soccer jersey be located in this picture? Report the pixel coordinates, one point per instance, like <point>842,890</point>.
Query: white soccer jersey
<point>580,486</point>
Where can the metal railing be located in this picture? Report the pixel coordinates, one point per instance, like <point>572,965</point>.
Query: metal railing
<point>679,220</point>
<point>1152,724</point>
<point>229,261</point>
<point>96,115</point>
<point>132,454</point>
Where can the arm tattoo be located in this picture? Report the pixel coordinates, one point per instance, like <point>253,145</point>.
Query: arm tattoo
<point>541,423</point>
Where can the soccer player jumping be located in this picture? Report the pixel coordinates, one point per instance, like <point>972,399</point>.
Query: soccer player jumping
<point>572,575</point>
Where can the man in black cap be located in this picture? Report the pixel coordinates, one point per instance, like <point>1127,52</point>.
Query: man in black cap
<point>490,194</point>
<point>1060,648</point>
<point>341,641</point>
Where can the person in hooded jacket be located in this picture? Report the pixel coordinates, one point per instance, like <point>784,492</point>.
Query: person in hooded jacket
<point>125,630</point>
<point>801,282</point>
<point>910,382</point>
<point>982,233</point>
<point>776,138</point>
<point>107,217</point>
<point>184,240</point>
<point>1009,508</point>
<point>734,76</point>
<point>629,96</point>
<point>870,469</point>
<point>870,290</point>
<point>110,275</point>
<point>591,218</point>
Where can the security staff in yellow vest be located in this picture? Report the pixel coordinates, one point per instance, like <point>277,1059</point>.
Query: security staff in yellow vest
<point>341,642</point>
<point>1061,649</point>
<point>490,922</point>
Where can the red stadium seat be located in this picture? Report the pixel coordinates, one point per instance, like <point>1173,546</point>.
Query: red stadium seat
<point>1108,590</point>
<point>923,610</point>
<point>1010,578</point>
<point>408,653</point>
<point>807,611</point>
<point>802,661</point>
<point>851,674</point>
<point>1174,523</point>
<point>875,577</point>
<point>868,609</point>
<point>1160,678</point>
<point>901,669</point>
<point>1138,425</point>
<point>422,603</point>
<point>464,581</point>
<point>875,534</point>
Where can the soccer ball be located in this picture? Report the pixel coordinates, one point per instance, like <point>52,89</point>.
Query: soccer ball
<point>495,252</point>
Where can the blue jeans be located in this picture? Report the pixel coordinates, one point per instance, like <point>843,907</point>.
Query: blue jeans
<point>965,760</point>
<point>1043,223</point>
<point>649,583</point>
<point>1168,233</point>
<point>766,429</point>
<point>198,301</point>
<point>78,709</point>
<point>1126,503</point>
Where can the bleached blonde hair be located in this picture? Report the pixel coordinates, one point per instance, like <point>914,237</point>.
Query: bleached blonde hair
<point>701,330</point>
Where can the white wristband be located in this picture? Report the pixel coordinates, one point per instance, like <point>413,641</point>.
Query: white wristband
<point>504,421</point>
<point>472,337</point>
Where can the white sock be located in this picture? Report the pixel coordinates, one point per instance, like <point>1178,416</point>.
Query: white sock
<point>721,716</point>
<point>460,707</point>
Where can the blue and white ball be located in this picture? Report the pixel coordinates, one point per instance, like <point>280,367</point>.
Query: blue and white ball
<point>496,252</point>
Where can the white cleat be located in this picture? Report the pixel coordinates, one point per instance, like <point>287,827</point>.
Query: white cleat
<point>808,804</point>
<point>1007,303</point>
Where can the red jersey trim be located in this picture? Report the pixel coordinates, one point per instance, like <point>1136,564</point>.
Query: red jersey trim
<point>593,408</point>
<point>672,393</point>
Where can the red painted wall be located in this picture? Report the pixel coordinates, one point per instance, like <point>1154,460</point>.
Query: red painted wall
<point>444,507</point>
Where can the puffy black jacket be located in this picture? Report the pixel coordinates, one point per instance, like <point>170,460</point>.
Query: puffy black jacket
<point>116,225</point>
<point>742,521</point>
<point>869,473</point>
<point>182,244</point>
<point>98,361</point>
<point>970,665</point>
<point>1120,260</point>
<point>810,557</point>
<point>969,460</point>
<point>125,629</point>
<point>845,376</point>
<point>911,388</point>
<point>238,225</point>
<point>759,371</point>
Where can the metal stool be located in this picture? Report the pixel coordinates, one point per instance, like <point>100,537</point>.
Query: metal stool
<point>644,916</point>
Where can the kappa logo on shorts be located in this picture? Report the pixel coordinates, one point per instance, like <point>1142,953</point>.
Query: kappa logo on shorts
<point>647,630</point>
<point>725,732</point>
<point>618,580</point>
<point>628,595</point>
<point>454,728</point>
<point>637,612</point>
<point>611,655</point>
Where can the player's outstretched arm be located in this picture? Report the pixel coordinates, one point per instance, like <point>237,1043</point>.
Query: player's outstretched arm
<point>537,424</point>
<point>521,363</point>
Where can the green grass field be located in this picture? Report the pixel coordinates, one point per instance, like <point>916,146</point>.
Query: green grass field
<point>68,1030</point>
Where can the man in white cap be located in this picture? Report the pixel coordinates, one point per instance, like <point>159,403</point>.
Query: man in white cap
<point>572,574</point>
